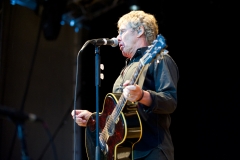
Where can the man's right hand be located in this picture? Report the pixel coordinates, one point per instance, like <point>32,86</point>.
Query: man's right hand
<point>81,116</point>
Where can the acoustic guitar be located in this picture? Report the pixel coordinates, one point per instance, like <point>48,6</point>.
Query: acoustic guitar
<point>119,122</point>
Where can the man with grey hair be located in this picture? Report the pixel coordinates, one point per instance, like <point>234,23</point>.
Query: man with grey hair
<point>154,99</point>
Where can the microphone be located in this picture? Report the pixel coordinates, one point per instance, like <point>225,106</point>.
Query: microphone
<point>105,41</point>
<point>18,115</point>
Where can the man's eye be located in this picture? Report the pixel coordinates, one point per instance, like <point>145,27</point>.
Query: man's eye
<point>121,31</point>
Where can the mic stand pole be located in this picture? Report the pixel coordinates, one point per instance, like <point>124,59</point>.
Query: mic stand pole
<point>97,84</point>
<point>23,142</point>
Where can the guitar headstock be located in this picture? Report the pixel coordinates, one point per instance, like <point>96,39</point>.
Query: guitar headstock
<point>157,45</point>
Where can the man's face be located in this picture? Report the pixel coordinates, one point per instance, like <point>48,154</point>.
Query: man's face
<point>127,38</point>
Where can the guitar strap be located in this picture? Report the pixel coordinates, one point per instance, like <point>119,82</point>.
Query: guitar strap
<point>145,68</point>
<point>143,75</point>
<point>141,79</point>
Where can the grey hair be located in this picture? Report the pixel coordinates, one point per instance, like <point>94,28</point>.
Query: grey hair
<point>136,19</point>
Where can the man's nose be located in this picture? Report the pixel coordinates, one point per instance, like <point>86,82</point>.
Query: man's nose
<point>119,37</point>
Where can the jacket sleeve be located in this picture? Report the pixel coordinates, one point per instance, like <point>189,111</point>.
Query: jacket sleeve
<point>165,74</point>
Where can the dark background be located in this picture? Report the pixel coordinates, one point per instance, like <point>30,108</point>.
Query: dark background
<point>202,37</point>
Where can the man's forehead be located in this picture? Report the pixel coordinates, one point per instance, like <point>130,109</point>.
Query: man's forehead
<point>124,26</point>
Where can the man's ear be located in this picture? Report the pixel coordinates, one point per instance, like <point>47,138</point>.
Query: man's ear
<point>140,31</point>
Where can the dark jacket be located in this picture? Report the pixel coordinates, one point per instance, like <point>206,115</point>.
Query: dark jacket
<point>161,82</point>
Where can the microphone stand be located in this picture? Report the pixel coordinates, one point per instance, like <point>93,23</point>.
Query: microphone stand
<point>97,84</point>
<point>18,119</point>
<point>97,77</point>
<point>22,140</point>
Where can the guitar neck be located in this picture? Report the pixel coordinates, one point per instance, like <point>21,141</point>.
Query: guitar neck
<point>122,100</point>
<point>113,118</point>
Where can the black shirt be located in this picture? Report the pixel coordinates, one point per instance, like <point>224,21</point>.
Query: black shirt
<point>161,82</point>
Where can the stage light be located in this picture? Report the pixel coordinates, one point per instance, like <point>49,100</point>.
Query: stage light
<point>72,22</point>
<point>76,29</point>
<point>134,5</point>
<point>72,19</point>
<point>31,4</point>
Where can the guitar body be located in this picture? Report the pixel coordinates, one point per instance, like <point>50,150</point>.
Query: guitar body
<point>121,136</point>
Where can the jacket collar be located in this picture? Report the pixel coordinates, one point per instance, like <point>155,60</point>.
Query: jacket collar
<point>139,53</point>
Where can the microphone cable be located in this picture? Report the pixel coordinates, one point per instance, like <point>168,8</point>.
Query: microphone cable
<point>75,98</point>
<point>45,126</point>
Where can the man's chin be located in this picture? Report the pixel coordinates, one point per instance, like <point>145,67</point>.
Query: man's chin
<point>125,54</point>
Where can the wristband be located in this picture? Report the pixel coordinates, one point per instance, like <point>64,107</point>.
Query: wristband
<point>141,96</point>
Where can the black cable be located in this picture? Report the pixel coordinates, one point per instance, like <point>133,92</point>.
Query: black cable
<point>57,130</point>
<point>19,118</point>
<point>31,67</point>
<point>51,140</point>
<point>75,96</point>
<point>68,111</point>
